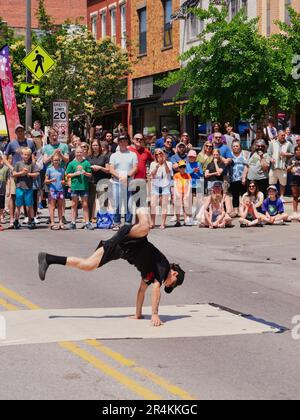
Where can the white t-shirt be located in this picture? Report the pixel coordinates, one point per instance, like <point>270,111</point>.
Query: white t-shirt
<point>161,179</point>
<point>123,162</point>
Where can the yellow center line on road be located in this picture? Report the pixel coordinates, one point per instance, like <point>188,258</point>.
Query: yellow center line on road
<point>161,382</point>
<point>20,299</point>
<point>8,306</point>
<point>99,364</point>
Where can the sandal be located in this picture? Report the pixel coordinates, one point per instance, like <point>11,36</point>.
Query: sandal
<point>54,227</point>
<point>62,227</point>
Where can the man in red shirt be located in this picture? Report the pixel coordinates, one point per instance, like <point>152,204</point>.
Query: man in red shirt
<point>139,188</point>
<point>144,156</point>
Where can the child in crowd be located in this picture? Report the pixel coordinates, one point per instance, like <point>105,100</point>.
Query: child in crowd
<point>273,208</point>
<point>249,214</point>
<point>24,173</point>
<point>293,167</point>
<point>79,171</point>
<point>182,194</point>
<point>215,215</point>
<point>55,175</point>
<point>4,176</point>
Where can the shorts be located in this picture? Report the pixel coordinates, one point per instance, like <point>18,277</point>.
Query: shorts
<point>112,248</point>
<point>276,175</point>
<point>77,194</point>
<point>56,195</point>
<point>12,186</point>
<point>24,197</point>
<point>160,190</point>
<point>295,182</point>
<point>2,202</point>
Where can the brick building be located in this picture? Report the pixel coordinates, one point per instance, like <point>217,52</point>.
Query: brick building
<point>14,12</point>
<point>155,47</point>
<point>111,18</point>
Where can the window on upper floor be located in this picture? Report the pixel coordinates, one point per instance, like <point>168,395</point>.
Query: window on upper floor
<point>168,27</point>
<point>103,25</point>
<point>287,18</point>
<point>268,17</point>
<point>94,26</point>
<point>194,25</point>
<point>113,24</point>
<point>123,26</point>
<point>142,13</point>
<point>236,6</point>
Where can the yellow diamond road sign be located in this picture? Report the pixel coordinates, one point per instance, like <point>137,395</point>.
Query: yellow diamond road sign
<point>38,62</point>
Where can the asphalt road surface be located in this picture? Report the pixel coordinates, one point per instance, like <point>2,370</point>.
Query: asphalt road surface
<point>252,271</point>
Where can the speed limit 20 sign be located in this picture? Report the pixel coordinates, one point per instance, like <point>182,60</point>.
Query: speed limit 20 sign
<point>60,119</point>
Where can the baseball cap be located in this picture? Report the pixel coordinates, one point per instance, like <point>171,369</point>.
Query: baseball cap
<point>217,184</point>
<point>165,129</point>
<point>19,126</point>
<point>180,277</point>
<point>272,187</point>
<point>261,143</point>
<point>181,144</point>
<point>192,153</point>
<point>182,164</point>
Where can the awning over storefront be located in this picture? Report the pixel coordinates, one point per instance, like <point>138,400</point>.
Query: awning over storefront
<point>169,95</point>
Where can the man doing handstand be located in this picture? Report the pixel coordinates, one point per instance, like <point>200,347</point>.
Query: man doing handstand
<point>131,244</point>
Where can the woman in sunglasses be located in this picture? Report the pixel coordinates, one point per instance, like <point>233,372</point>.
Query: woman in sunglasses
<point>161,177</point>
<point>256,196</point>
<point>205,157</point>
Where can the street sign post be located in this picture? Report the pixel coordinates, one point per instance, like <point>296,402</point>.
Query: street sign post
<point>29,89</point>
<point>60,119</point>
<point>38,62</point>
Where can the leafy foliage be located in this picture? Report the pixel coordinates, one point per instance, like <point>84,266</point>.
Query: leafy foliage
<point>235,72</point>
<point>90,74</point>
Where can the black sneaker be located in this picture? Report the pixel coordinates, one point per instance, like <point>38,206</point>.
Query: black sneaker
<point>177,224</point>
<point>43,265</point>
<point>17,225</point>
<point>31,226</point>
<point>243,225</point>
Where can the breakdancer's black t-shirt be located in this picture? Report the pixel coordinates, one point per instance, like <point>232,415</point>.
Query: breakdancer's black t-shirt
<point>149,261</point>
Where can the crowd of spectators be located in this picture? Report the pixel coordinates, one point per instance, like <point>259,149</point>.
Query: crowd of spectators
<point>111,175</point>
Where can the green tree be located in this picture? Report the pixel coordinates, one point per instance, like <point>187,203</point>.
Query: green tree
<point>91,75</point>
<point>234,72</point>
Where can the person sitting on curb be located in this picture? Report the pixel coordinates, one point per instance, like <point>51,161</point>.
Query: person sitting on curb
<point>249,215</point>
<point>214,215</point>
<point>273,208</point>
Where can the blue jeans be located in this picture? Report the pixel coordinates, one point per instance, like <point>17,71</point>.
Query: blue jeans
<point>121,197</point>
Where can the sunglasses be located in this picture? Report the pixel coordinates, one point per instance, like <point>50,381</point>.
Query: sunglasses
<point>138,138</point>
<point>218,138</point>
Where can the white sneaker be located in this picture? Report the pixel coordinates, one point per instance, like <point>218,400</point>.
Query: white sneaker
<point>36,221</point>
<point>25,221</point>
<point>189,222</point>
<point>279,222</point>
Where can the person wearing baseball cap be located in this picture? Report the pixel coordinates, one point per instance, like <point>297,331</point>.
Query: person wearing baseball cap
<point>181,154</point>
<point>131,244</point>
<point>273,208</point>
<point>161,141</point>
<point>194,168</point>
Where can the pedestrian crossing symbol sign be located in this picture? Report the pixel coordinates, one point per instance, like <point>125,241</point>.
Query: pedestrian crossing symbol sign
<point>38,62</point>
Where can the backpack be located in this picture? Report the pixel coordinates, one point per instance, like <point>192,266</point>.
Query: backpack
<point>104,220</point>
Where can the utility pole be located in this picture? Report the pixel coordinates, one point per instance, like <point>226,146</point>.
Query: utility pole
<point>28,74</point>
